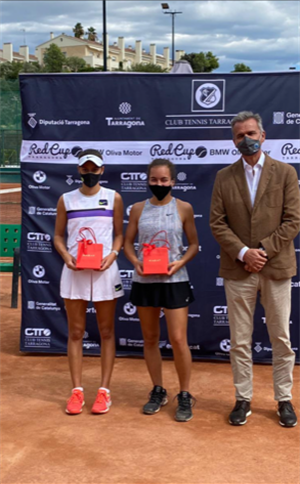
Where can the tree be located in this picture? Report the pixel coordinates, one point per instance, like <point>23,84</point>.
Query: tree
<point>75,64</point>
<point>241,68</point>
<point>11,70</point>
<point>78,30</point>
<point>54,59</point>
<point>146,68</point>
<point>10,118</point>
<point>92,34</point>
<point>202,62</point>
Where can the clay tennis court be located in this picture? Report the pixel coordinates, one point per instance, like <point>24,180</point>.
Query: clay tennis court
<point>10,203</point>
<point>42,445</point>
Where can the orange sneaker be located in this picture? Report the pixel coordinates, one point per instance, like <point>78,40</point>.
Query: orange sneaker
<point>102,402</point>
<point>75,402</point>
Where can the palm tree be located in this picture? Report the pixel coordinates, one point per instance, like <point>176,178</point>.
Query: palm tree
<point>78,30</point>
<point>92,34</point>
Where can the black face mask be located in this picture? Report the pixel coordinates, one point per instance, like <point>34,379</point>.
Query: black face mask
<point>249,146</point>
<point>160,191</point>
<point>90,179</point>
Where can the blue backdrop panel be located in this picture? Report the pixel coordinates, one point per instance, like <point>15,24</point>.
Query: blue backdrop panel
<point>132,119</point>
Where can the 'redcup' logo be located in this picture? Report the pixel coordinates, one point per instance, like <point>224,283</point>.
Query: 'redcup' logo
<point>289,149</point>
<point>54,150</point>
<point>176,150</point>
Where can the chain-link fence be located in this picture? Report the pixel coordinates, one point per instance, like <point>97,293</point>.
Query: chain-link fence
<point>10,123</point>
<point>10,146</point>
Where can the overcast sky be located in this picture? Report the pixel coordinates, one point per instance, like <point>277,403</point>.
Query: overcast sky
<point>265,35</point>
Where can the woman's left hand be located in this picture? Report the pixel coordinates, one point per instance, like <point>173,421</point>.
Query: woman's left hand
<point>107,261</point>
<point>174,267</point>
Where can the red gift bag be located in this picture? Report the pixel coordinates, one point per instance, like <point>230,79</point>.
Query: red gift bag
<point>156,259</point>
<point>89,254</point>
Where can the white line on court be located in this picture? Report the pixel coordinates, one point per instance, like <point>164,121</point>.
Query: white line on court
<point>10,190</point>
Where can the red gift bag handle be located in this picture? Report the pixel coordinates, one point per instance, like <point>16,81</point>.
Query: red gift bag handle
<point>82,236</point>
<point>165,240</point>
<point>151,244</point>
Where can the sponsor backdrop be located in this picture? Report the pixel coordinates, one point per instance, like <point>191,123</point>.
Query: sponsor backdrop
<point>132,119</point>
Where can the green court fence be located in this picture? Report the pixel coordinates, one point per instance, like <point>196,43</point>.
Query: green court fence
<point>10,146</point>
<point>10,123</point>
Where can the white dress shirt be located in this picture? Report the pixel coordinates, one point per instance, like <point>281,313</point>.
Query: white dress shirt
<point>252,174</point>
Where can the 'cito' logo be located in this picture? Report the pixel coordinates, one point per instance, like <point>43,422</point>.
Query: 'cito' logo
<point>201,151</point>
<point>220,310</point>
<point>126,273</point>
<point>38,271</point>
<point>39,176</point>
<point>134,176</point>
<point>38,236</point>
<point>40,332</point>
<point>225,345</point>
<point>129,309</point>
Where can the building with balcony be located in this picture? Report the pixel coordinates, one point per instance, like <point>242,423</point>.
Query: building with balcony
<point>118,55</point>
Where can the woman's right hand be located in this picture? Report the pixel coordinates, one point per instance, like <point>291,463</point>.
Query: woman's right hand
<point>139,268</point>
<point>70,262</point>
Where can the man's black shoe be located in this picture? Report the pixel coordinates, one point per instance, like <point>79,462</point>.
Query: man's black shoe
<point>287,415</point>
<point>184,409</point>
<point>157,398</point>
<point>240,412</point>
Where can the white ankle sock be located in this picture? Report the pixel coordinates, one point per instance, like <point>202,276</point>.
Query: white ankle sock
<point>103,388</point>
<point>78,388</point>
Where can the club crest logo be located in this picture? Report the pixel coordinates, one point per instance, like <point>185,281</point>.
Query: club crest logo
<point>208,96</point>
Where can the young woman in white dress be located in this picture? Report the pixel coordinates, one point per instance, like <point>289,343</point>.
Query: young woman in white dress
<point>100,209</point>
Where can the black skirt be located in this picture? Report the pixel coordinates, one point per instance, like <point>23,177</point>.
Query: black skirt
<point>172,295</point>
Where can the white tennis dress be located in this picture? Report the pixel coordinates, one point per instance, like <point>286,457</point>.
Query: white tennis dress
<point>96,212</point>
